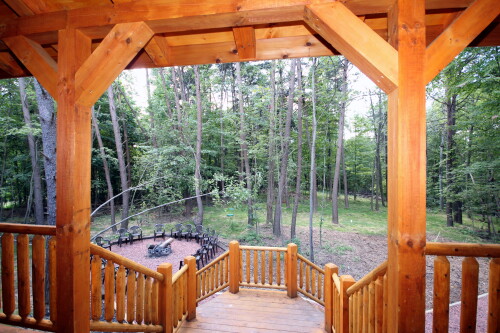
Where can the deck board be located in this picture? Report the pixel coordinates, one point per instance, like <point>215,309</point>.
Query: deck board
<point>256,311</point>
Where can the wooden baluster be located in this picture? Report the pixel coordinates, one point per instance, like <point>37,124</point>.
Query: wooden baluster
<point>241,266</point>
<point>216,284</point>
<point>202,284</point>
<point>148,300</point>
<point>23,275</point>
<point>301,274</point>
<point>285,268</point>
<point>313,281</point>
<point>247,265</point>
<point>345,318</point>
<point>120,294</point>
<point>198,285</point>
<point>210,279</point>
<point>207,280</point>
<point>330,307</point>
<point>255,267</point>
<point>263,267</point>
<point>165,293</point>
<point>386,302</point>
<point>175,289</point>
<point>154,302</point>
<point>371,307</point>
<point>52,280</point>
<point>96,289</point>
<point>191,286</point>
<point>278,268</point>
<point>351,314</point>
<point>139,306</point>
<point>8,294</point>
<point>494,296</point>
<point>38,272</point>
<point>222,281</point>
<point>320,286</point>
<point>214,278</point>
<point>180,296</point>
<point>109,291</point>
<point>441,301</point>
<point>270,277</point>
<point>366,304</point>
<point>308,288</point>
<point>361,312</point>
<point>379,304</point>
<point>131,296</point>
<point>355,313</point>
<point>470,271</point>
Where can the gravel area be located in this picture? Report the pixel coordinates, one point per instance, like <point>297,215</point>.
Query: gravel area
<point>138,252</point>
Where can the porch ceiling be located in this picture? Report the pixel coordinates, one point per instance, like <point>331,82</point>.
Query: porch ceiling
<point>189,32</point>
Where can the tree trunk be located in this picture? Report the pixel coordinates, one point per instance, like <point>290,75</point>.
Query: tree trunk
<point>450,157</point>
<point>154,141</point>
<point>346,189</point>
<point>285,153</point>
<point>340,144</point>
<point>106,169</point>
<point>312,169</point>
<point>271,148</point>
<point>119,154</point>
<point>299,151</point>
<point>48,125</point>
<point>199,129</point>
<point>161,72</point>
<point>37,181</point>
<point>244,145</point>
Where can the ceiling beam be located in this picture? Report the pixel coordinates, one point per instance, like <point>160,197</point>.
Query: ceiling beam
<point>244,37</point>
<point>36,60</point>
<point>107,61</point>
<point>460,33</point>
<point>158,50</point>
<point>356,41</point>
<point>9,65</point>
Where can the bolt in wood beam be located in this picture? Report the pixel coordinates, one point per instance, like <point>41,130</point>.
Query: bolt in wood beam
<point>36,60</point>
<point>244,37</point>
<point>458,35</point>
<point>356,41</point>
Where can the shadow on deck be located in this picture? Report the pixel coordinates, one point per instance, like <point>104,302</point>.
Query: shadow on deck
<point>253,310</point>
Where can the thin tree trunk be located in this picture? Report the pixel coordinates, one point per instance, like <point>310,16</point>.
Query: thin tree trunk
<point>47,116</point>
<point>286,151</point>
<point>299,151</point>
<point>165,89</point>
<point>37,181</point>
<point>154,141</point>
<point>450,147</point>
<point>199,129</point>
<point>106,169</point>
<point>313,162</point>
<point>119,154</point>
<point>271,148</point>
<point>346,189</point>
<point>244,145</point>
<point>340,144</point>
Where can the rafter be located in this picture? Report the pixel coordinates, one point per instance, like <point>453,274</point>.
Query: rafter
<point>36,60</point>
<point>244,37</point>
<point>112,56</point>
<point>9,65</point>
<point>356,41</point>
<point>458,35</point>
<point>158,50</point>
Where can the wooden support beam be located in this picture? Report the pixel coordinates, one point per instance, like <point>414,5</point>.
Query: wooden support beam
<point>115,52</point>
<point>407,172</point>
<point>9,64</point>
<point>244,37</point>
<point>356,41</point>
<point>19,7</point>
<point>158,50</point>
<point>461,32</point>
<point>73,189</point>
<point>36,60</point>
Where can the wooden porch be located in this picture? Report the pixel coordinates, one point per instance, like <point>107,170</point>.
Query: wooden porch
<point>252,310</point>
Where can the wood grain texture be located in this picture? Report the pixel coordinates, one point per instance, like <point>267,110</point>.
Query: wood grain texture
<point>234,266</point>
<point>23,276</point>
<point>470,280</point>
<point>244,38</point>
<point>52,280</point>
<point>96,288</point>
<point>120,294</point>
<point>441,300</point>
<point>291,270</point>
<point>109,291</point>
<point>38,276</point>
<point>8,293</point>
<point>494,296</point>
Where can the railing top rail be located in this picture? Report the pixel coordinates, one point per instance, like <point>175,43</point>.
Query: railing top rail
<point>262,248</point>
<point>368,278</point>
<point>310,263</point>
<point>35,229</point>
<point>336,281</point>
<point>463,249</point>
<point>118,259</point>
<point>178,274</point>
<point>219,258</point>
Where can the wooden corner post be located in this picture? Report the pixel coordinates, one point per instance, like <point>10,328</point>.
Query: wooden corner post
<point>345,282</point>
<point>191,287</point>
<point>165,299</point>
<point>234,267</point>
<point>407,170</point>
<point>291,270</point>
<point>330,269</point>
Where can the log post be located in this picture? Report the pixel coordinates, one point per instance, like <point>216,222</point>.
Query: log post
<point>345,282</point>
<point>330,269</point>
<point>191,287</point>
<point>165,298</point>
<point>291,270</point>
<point>234,267</point>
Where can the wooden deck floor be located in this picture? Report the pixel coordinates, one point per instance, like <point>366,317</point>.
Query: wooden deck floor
<point>256,311</point>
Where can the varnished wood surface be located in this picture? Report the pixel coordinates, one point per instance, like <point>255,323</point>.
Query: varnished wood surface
<point>252,310</point>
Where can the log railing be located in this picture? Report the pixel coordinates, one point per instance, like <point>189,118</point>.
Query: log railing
<point>26,306</point>
<point>213,277</point>
<point>470,281</point>
<point>262,267</point>
<point>311,279</point>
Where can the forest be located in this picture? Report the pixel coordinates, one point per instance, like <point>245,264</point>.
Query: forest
<point>261,136</point>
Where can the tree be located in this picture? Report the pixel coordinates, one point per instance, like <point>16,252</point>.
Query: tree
<point>312,172</point>
<point>271,148</point>
<point>199,129</point>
